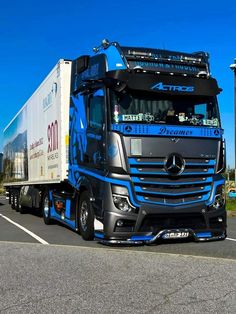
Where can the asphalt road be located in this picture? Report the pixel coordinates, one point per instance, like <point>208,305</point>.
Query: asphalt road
<point>39,278</point>
<point>73,276</point>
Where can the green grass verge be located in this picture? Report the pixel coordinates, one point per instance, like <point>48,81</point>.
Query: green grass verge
<point>231,204</point>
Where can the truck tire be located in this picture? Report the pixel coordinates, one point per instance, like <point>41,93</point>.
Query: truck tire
<point>22,209</point>
<point>9,201</point>
<point>12,200</point>
<point>86,217</point>
<point>46,208</point>
<point>16,202</point>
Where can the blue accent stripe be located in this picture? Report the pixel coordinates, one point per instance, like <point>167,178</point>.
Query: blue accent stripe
<point>209,163</point>
<point>204,234</point>
<point>68,208</point>
<point>133,161</point>
<point>136,171</point>
<point>140,190</point>
<point>127,184</point>
<point>69,223</point>
<point>99,235</point>
<point>216,184</point>
<point>137,180</point>
<point>94,136</point>
<point>114,59</point>
<point>143,200</point>
<point>167,130</point>
<point>141,238</point>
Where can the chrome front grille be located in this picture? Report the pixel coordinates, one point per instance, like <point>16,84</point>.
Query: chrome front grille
<point>153,184</point>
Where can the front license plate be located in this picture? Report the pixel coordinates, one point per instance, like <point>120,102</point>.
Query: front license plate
<point>176,235</point>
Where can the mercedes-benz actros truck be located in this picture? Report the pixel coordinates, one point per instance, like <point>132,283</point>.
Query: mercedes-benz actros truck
<point>124,146</point>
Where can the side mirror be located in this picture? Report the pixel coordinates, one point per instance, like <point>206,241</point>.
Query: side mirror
<point>82,64</point>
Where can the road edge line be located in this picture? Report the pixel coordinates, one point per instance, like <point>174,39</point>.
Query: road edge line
<point>33,235</point>
<point>231,239</point>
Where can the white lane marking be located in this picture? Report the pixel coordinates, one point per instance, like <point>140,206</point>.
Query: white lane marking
<point>231,239</point>
<point>33,235</point>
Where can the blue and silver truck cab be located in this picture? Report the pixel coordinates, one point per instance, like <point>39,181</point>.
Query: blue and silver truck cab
<point>146,151</point>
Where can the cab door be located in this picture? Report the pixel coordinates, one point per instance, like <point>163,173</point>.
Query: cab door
<point>96,130</point>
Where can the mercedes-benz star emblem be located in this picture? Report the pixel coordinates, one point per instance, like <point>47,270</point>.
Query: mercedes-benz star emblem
<point>174,140</point>
<point>128,128</point>
<point>174,164</point>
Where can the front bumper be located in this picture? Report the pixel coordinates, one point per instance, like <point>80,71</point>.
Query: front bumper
<point>145,239</point>
<point>154,223</point>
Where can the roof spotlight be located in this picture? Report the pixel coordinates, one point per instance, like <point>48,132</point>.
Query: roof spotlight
<point>105,43</point>
<point>233,66</point>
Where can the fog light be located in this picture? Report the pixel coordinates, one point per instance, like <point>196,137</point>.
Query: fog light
<point>120,223</point>
<point>220,219</point>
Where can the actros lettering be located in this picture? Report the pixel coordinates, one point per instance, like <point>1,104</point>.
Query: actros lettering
<point>173,88</point>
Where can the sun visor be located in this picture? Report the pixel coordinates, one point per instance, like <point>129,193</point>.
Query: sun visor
<point>168,84</point>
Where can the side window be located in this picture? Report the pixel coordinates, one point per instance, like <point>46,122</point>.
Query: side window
<point>96,110</point>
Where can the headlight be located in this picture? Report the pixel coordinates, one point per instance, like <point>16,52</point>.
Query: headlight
<point>219,200</point>
<point>122,203</point>
<point>121,200</point>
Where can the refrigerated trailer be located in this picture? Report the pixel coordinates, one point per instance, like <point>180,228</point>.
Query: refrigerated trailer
<point>124,146</point>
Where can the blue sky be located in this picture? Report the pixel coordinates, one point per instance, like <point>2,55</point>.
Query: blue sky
<point>34,35</point>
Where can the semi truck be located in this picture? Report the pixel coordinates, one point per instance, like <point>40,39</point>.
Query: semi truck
<point>124,146</point>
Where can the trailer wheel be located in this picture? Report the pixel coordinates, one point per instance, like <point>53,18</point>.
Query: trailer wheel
<point>46,208</point>
<point>9,200</point>
<point>16,202</point>
<point>12,200</point>
<point>86,217</point>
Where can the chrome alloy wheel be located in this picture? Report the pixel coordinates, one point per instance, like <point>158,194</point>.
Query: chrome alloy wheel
<point>84,215</point>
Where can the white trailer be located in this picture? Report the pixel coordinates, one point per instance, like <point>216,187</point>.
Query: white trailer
<point>36,140</point>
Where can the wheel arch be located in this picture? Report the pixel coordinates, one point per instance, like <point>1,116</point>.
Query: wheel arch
<point>85,185</point>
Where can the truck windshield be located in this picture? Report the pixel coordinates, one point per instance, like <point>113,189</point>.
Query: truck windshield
<point>141,107</point>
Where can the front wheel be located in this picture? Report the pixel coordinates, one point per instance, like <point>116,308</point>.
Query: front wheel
<point>86,217</point>
<point>46,208</point>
